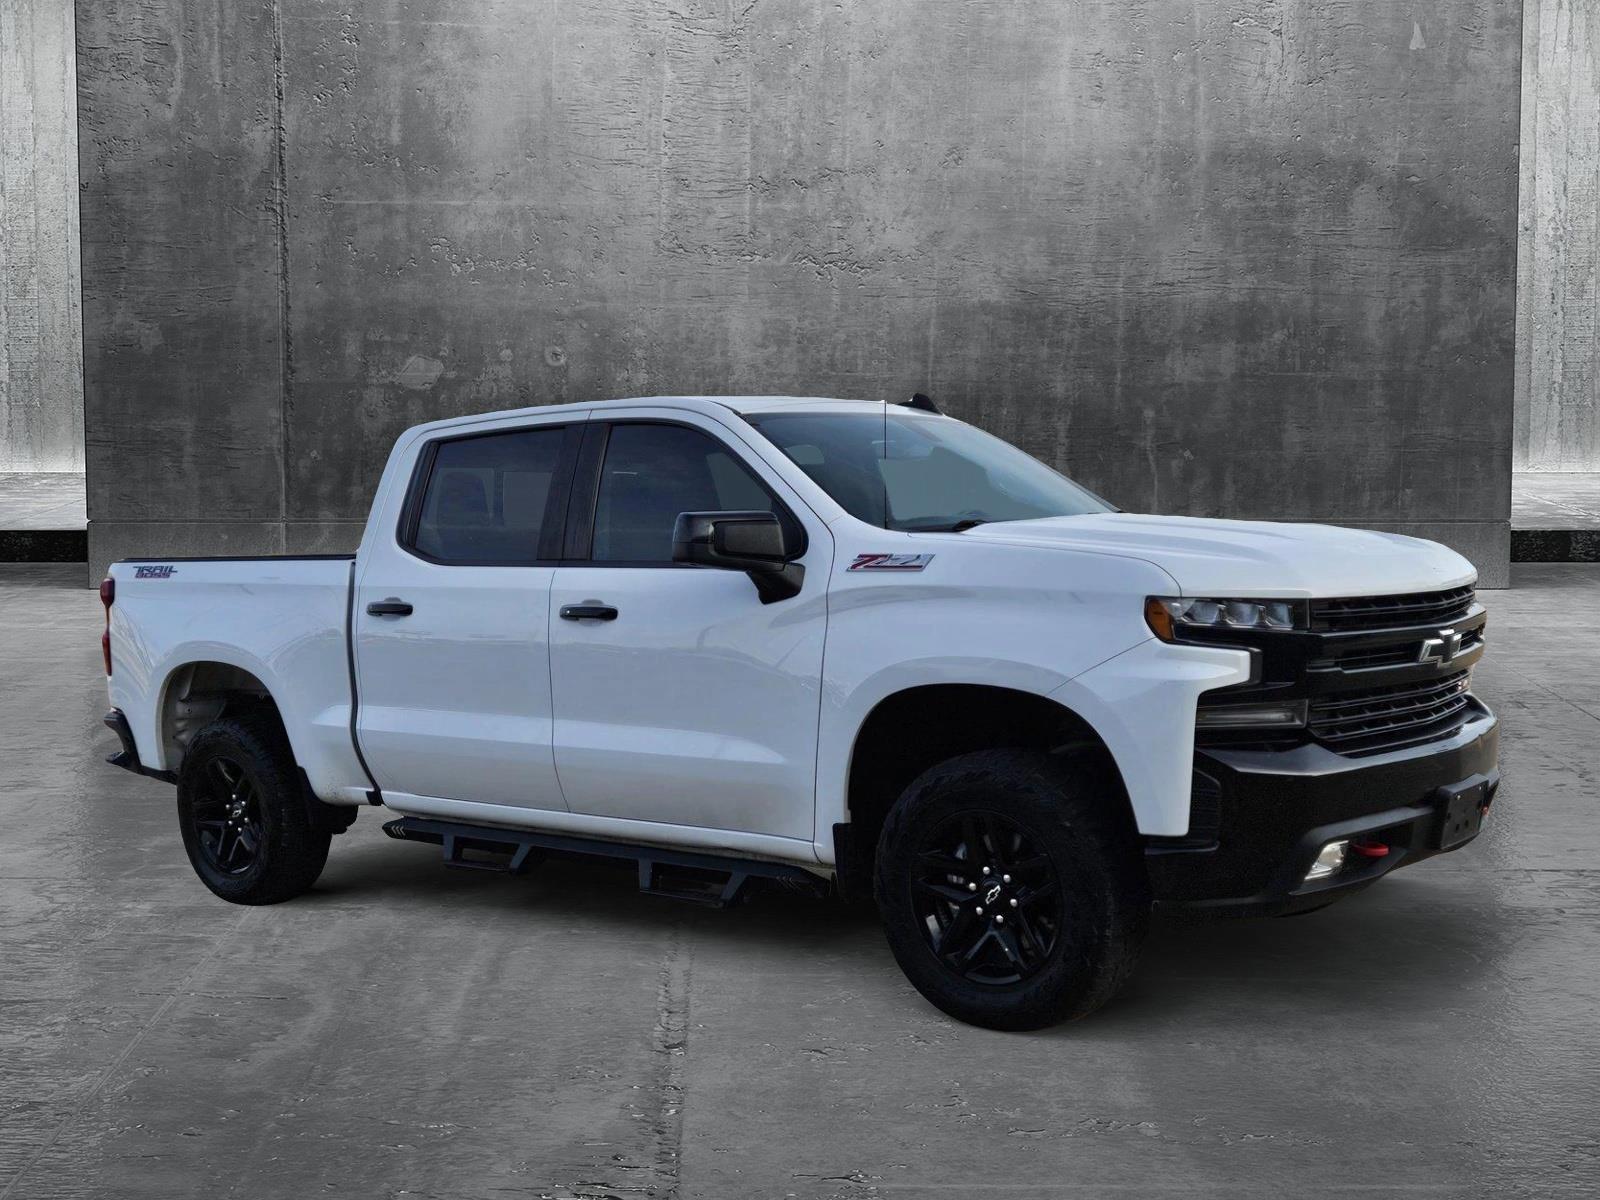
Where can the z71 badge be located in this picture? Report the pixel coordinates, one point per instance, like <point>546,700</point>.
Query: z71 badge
<point>891,562</point>
<point>163,571</point>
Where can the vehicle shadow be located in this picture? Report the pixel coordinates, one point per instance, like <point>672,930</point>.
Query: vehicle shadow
<point>1360,956</point>
<point>1357,956</point>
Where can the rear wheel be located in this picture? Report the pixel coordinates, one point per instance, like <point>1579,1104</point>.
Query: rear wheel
<point>242,811</point>
<point>1012,890</point>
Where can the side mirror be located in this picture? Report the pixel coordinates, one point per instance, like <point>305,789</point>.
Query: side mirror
<point>756,543</point>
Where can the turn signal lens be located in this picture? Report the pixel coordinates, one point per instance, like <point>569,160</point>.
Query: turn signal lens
<point>1166,615</point>
<point>1158,618</point>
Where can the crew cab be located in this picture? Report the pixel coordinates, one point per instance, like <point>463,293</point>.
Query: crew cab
<point>856,646</point>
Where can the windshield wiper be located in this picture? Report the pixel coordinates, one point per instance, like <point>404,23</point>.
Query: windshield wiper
<point>967,523</point>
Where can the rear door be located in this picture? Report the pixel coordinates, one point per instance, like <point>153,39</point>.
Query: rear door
<point>451,619</point>
<point>695,703</point>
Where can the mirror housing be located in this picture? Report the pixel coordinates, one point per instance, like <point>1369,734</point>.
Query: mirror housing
<point>757,543</point>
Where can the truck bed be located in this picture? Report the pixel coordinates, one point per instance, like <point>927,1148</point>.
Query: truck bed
<point>282,619</point>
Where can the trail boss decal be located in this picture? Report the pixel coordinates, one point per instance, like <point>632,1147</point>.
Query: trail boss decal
<point>891,562</point>
<point>164,571</point>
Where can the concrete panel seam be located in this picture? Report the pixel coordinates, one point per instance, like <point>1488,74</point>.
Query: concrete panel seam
<point>281,201</point>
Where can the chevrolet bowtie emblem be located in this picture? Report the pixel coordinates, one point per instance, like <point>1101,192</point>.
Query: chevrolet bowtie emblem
<point>1442,649</point>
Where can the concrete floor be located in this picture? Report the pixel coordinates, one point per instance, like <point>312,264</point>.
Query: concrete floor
<point>42,500</point>
<point>1555,500</point>
<point>411,1031</point>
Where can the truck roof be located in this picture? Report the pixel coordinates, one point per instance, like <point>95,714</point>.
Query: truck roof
<point>744,405</point>
<point>764,404</point>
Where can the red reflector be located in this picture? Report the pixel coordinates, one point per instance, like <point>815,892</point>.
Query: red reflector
<point>1370,849</point>
<point>108,597</point>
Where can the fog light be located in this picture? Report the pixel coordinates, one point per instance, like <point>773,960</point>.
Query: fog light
<point>1329,859</point>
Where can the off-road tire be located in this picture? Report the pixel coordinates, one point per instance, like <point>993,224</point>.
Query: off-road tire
<point>1069,811</point>
<point>290,849</point>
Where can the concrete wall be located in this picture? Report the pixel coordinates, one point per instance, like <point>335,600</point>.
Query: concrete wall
<point>1251,258</point>
<point>41,348</point>
<point>1558,333</point>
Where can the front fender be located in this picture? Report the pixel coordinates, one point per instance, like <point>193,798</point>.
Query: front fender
<point>1142,704</point>
<point>844,714</point>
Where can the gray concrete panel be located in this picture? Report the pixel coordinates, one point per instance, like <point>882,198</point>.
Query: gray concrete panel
<point>181,248</point>
<point>1558,265</point>
<point>1255,263</point>
<point>41,345</point>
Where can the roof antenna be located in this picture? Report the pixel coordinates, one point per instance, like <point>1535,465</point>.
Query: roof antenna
<point>920,401</point>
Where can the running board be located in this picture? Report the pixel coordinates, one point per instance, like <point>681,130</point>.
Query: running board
<point>710,879</point>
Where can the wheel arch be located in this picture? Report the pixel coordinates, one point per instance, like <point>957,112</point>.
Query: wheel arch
<point>914,728</point>
<point>196,692</point>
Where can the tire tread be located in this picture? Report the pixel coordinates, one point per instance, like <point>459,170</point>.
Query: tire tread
<point>296,850</point>
<point>1082,801</point>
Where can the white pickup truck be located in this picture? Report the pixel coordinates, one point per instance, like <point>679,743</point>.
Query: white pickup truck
<point>850,645</point>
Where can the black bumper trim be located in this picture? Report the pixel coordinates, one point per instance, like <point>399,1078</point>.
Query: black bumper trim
<point>128,757</point>
<point>1279,808</point>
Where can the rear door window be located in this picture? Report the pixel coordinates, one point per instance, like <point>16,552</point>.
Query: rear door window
<point>488,498</point>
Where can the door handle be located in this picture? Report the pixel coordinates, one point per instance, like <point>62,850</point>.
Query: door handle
<point>588,612</point>
<point>392,607</point>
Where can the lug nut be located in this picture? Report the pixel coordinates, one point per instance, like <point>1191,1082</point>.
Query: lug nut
<point>972,887</point>
<point>999,920</point>
<point>986,870</point>
<point>980,910</point>
<point>1013,904</point>
<point>1005,879</point>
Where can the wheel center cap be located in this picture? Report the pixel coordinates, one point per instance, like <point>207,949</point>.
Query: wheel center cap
<point>992,894</point>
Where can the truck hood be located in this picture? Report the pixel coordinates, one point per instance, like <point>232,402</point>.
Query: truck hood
<point>1269,559</point>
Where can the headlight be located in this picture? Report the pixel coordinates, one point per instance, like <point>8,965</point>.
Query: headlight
<point>1166,616</point>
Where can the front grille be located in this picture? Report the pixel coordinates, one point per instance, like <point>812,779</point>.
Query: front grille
<point>1390,717</point>
<point>1392,656</point>
<point>1389,612</point>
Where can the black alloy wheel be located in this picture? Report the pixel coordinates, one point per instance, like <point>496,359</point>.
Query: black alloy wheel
<point>987,898</point>
<point>1012,886</point>
<point>227,817</point>
<point>246,813</point>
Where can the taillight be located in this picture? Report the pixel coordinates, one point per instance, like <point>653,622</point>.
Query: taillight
<point>108,597</point>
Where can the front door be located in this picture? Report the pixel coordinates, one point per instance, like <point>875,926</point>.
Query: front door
<point>695,704</point>
<point>451,622</point>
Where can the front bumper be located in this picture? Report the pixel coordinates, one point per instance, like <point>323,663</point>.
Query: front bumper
<point>1275,809</point>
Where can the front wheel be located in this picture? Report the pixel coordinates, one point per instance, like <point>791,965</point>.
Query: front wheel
<point>243,814</point>
<point>1012,889</point>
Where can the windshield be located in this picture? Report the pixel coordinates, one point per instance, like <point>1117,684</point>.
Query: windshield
<point>920,473</point>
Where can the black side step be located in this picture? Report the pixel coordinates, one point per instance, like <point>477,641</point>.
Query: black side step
<point>711,879</point>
